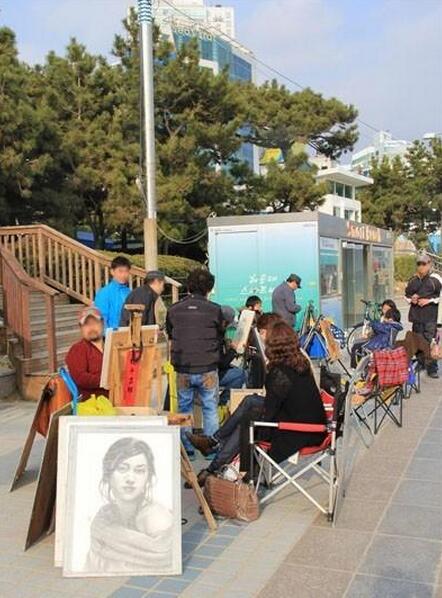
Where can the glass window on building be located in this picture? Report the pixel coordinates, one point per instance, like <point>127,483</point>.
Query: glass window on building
<point>206,46</point>
<point>339,189</point>
<point>382,273</point>
<point>348,191</point>
<point>336,211</point>
<point>240,69</point>
<point>348,214</point>
<point>329,266</point>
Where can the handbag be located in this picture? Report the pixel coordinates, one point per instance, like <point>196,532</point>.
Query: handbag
<point>436,348</point>
<point>231,499</point>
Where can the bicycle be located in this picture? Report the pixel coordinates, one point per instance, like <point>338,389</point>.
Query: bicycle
<point>361,330</point>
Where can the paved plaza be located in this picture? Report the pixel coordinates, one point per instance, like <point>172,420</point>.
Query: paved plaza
<point>388,540</point>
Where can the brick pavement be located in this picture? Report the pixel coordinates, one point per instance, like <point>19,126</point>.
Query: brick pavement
<point>388,541</point>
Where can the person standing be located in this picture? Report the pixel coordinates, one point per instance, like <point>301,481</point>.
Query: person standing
<point>284,299</point>
<point>195,327</point>
<point>146,295</point>
<point>110,298</point>
<point>423,293</point>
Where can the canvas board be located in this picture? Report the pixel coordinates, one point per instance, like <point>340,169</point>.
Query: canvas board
<point>242,332</point>
<point>123,503</point>
<point>65,424</point>
<point>121,335</point>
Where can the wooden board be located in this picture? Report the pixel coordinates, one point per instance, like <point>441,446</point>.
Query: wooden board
<point>237,395</point>
<point>42,516</point>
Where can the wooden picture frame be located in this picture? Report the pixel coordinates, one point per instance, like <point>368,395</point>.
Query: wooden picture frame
<point>110,468</point>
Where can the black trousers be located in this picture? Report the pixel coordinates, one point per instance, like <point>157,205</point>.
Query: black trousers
<point>428,331</point>
<point>233,436</point>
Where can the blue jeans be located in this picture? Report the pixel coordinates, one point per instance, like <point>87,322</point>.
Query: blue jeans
<point>206,387</point>
<point>233,377</point>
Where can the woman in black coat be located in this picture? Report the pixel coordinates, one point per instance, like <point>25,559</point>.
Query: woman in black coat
<point>291,396</point>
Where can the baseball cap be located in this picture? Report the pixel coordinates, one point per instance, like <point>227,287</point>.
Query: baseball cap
<point>295,278</point>
<point>423,258</point>
<point>154,275</point>
<point>89,312</point>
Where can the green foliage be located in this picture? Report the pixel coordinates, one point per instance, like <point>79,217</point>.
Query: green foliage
<point>70,140</point>
<point>173,265</point>
<point>407,195</point>
<point>278,118</point>
<point>404,267</point>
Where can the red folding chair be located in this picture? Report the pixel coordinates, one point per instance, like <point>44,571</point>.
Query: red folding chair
<point>282,474</point>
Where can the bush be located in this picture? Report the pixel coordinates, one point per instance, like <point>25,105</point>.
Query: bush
<point>175,266</point>
<point>404,267</point>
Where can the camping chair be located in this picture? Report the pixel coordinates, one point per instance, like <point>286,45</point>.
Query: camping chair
<point>387,375</point>
<point>272,472</point>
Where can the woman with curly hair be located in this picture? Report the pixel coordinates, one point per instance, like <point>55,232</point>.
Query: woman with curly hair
<point>291,396</point>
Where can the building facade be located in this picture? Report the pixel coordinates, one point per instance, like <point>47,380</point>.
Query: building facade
<point>214,28</point>
<point>341,200</point>
<point>384,146</point>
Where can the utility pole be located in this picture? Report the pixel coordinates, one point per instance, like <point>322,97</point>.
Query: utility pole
<point>145,19</point>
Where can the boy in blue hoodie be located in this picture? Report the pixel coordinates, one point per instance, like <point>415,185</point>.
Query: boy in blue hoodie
<point>110,299</point>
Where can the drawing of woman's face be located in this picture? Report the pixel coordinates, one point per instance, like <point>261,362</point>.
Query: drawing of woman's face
<point>128,480</point>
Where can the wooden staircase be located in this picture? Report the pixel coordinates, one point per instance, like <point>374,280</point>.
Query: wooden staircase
<point>46,278</point>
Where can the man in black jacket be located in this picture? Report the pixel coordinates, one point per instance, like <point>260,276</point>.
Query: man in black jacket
<point>423,293</point>
<point>196,329</point>
<point>146,295</point>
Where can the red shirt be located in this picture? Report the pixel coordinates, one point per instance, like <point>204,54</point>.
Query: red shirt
<point>85,362</point>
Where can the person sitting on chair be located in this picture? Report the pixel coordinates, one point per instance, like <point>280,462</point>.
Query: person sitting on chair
<point>384,335</point>
<point>291,396</point>
<point>230,376</point>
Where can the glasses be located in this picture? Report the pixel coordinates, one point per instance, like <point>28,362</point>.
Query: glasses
<point>422,263</point>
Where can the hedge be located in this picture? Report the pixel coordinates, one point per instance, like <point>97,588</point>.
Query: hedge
<point>174,266</point>
<point>404,267</point>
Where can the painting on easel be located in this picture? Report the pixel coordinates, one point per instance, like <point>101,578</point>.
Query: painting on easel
<point>132,365</point>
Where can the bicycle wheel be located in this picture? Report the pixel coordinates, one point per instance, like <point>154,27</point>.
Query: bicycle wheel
<point>356,333</point>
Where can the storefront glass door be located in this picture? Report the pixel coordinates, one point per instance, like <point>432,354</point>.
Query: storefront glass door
<point>354,266</point>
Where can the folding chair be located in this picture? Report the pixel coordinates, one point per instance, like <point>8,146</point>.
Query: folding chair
<point>388,373</point>
<point>273,472</point>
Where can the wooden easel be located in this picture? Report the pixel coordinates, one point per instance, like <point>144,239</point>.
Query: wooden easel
<point>150,369</point>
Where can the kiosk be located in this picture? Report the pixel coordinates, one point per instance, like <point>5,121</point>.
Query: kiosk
<point>340,261</point>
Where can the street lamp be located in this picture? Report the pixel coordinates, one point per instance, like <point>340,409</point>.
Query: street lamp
<point>145,20</point>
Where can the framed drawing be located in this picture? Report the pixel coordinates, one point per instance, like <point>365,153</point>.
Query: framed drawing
<point>65,424</point>
<point>245,323</point>
<point>123,502</point>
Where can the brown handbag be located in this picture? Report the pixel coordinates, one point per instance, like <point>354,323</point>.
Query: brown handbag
<point>235,500</point>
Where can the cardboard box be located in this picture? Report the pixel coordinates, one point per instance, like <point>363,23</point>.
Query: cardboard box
<point>238,395</point>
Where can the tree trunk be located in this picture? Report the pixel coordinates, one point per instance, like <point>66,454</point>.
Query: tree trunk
<point>124,239</point>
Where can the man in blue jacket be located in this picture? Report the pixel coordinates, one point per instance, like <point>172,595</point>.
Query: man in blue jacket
<point>110,299</point>
<point>284,299</point>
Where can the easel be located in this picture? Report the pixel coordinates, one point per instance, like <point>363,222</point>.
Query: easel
<point>148,393</point>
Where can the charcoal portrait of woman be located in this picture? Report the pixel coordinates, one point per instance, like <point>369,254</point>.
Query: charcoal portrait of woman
<point>130,531</point>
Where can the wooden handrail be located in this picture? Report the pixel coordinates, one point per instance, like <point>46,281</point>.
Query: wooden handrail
<point>64,263</point>
<point>74,244</point>
<point>17,286</point>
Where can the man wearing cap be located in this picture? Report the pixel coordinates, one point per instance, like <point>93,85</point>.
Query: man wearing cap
<point>423,293</point>
<point>284,299</point>
<point>146,295</point>
<point>85,358</point>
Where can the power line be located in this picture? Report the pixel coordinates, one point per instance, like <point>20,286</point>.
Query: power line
<point>210,29</point>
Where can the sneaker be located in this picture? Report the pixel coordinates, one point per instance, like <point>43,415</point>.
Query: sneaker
<point>204,444</point>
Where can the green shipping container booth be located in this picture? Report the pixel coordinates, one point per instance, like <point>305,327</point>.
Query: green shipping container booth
<point>340,261</point>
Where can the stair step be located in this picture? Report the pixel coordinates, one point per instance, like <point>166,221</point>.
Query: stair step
<point>65,322</point>
<point>59,309</point>
<point>39,361</point>
<point>64,337</point>
<point>37,298</point>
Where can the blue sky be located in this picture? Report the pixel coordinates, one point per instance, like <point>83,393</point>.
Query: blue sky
<point>384,56</point>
